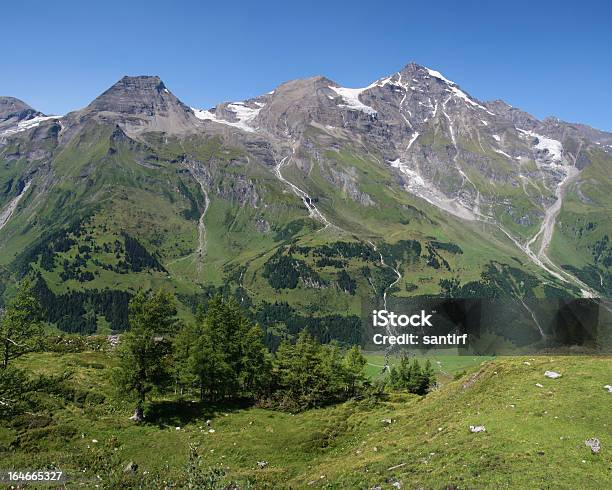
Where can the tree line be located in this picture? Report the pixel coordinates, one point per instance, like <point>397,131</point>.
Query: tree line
<point>220,356</point>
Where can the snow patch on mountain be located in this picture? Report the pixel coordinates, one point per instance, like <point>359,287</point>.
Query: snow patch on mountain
<point>351,99</point>
<point>554,147</point>
<point>501,152</point>
<point>244,114</point>
<point>417,185</point>
<point>439,75</point>
<point>381,82</point>
<point>28,124</point>
<point>412,140</point>
<point>551,146</point>
<point>463,96</point>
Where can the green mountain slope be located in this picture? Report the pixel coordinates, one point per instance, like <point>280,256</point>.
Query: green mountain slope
<point>301,198</point>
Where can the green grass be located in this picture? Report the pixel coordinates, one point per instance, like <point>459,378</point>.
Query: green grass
<point>534,436</point>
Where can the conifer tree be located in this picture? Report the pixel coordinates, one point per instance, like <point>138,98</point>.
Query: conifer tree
<point>223,354</point>
<point>410,376</point>
<point>21,326</point>
<point>255,362</point>
<point>143,350</point>
<point>354,363</point>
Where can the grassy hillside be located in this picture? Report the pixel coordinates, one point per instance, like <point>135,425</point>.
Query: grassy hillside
<point>534,435</point>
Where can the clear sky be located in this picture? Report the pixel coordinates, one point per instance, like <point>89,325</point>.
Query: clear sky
<point>547,57</point>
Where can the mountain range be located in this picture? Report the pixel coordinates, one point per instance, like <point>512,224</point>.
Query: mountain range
<point>303,201</point>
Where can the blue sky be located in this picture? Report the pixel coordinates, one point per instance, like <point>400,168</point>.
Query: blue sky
<point>549,58</point>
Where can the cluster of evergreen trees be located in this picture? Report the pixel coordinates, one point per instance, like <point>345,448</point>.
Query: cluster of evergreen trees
<point>410,376</point>
<point>285,271</point>
<point>222,356</point>
<point>309,374</point>
<point>77,311</point>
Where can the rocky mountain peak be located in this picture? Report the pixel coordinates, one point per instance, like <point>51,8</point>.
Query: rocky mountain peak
<point>142,103</point>
<point>413,68</point>
<point>313,82</point>
<point>519,118</point>
<point>12,107</point>
<point>15,113</point>
<point>141,95</point>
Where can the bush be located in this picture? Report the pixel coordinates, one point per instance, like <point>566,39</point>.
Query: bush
<point>94,398</point>
<point>33,439</point>
<point>410,376</point>
<point>14,387</point>
<point>30,421</point>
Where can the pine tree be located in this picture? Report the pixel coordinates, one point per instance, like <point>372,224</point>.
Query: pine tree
<point>14,385</point>
<point>333,373</point>
<point>354,363</point>
<point>211,367</point>
<point>255,362</point>
<point>183,349</point>
<point>429,377</point>
<point>410,376</point>
<point>143,351</point>
<point>21,325</point>
<point>298,371</point>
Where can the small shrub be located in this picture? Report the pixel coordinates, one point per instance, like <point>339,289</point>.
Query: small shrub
<point>34,439</point>
<point>30,421</point>
<point>94,398</point>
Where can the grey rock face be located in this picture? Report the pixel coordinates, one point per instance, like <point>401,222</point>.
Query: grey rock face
<point>141,104</point>
<point>291,108</point>
<point>349,183</point>
<point>516,116</point>
<point>435,134</point>
<point>143,96</point>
